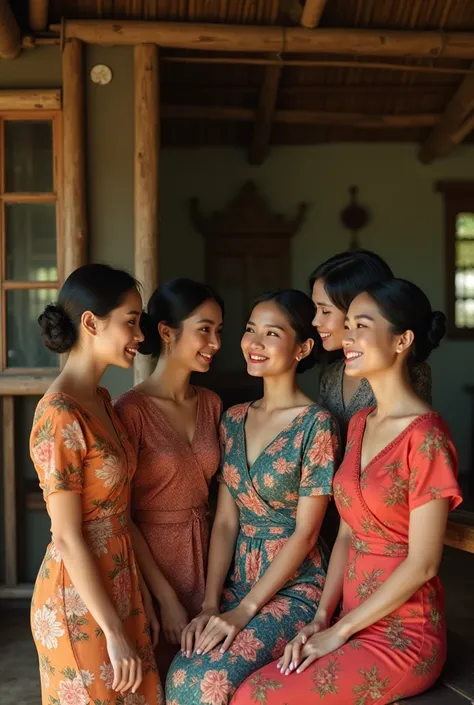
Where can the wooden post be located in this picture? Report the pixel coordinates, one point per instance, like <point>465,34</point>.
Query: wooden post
<point>10,34</point>
<point>147,144</point>
<point>38,15</point>
<point>454,125</point>
<point>9,492</point>
<point>74,196</point>
<point>266,112</point>
<point>312,11</point>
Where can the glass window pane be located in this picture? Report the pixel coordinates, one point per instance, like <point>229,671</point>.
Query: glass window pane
<point>31,241</point>
<point>28,156</point>
<point>24,345</point>
<point>465,253</point>
<point>465,225</point>
<point>464,314</point>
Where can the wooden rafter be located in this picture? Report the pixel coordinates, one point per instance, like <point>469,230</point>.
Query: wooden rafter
<point>312,11</point>
<point>265,114</point>
<point>265,39</point>
<point>30,99</point>
<point>38,15</point>
<point>10,34</point>
<point>455,124</point>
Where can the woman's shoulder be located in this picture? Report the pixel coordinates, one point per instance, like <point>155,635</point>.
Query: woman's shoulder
<point>235,414</point>
<point>210,397</point>
<point>129,399</point>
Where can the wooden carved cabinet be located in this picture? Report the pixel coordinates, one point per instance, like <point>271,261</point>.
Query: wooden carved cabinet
<point>247,252</point>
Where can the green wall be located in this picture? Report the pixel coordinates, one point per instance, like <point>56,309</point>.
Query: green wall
<point>406,226</point>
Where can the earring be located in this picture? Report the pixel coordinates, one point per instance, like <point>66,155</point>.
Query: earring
<point>168,348</point>
<point>298,358</point>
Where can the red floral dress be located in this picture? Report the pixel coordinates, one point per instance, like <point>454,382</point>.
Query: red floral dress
<point>402,654</point>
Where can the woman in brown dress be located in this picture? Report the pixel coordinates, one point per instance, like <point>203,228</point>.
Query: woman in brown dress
<point>174,429</point>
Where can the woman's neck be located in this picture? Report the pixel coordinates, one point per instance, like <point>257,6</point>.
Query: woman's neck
<point>81,374</point>
<point>169,380</point>
<point>280,393</point>
<point>393,392</point>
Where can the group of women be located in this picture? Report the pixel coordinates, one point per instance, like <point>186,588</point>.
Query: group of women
<point>136,595</point>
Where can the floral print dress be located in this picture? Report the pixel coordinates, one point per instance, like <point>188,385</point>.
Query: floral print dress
<point>73,452</point>
<point>299,462</point>
<point>402,654</point>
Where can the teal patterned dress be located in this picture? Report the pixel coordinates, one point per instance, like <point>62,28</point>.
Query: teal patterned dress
<point>299,462</point>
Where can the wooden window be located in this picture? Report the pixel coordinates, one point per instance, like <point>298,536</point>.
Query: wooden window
<point>30,243</point>
<point>459,256</point>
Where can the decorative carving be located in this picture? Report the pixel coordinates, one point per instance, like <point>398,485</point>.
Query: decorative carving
<point>354,217</point>
<point>246,215</point>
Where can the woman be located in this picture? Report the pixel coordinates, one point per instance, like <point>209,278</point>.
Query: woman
<point>334,284</point>
<point>90,605</point>
<point>174,427</point>
<point>276,479</point>
<point>394,490</point>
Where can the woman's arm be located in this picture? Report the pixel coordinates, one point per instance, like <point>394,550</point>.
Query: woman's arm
<point>221,551</point>
<point>65,509</point>
<point>309,517</point>
<point>332,591</point>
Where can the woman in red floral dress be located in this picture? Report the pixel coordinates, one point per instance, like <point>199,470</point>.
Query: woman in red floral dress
<point>394,490</point>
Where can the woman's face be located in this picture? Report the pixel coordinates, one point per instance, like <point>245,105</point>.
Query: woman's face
<point>369,344</point>
<point>116,338</point>
<point>199,338</point>
<point>329,320</point>
<point>269,343</point>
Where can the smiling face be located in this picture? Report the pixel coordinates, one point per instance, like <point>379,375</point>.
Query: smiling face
<point>269,343</point>
<point>370,345</point>
<point>329,320</point>
<point>116,338</point>
<point>199,338</point>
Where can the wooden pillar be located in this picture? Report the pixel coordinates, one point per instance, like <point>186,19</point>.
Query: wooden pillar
<point>38,15</point>
<point>265,115</point>
<point>312,11</point>
<point>147,144</point>
<point>10,35</point>
<point>9,492</point>
<point>74,183</point>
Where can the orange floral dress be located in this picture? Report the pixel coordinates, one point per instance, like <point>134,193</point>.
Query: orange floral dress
<point>73,452</point>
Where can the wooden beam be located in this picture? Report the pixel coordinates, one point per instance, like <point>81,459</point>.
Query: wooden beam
<point>460,536</point>
<point>74,184</point>
<point>298,117</point>
<point>10,34</point>
<point>26,99</point>
<point>265,114</point>
<point>38,15</point>
<point>25,385</point>
<point>9,492</point>
<point>456,123</point>
<point>147,144</point>
<point>265,39</point>
<point>312,11</point>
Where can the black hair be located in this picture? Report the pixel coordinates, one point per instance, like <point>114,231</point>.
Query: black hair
<point>93,287</point>
<point>172,303</point>
<point>300,311</point>
<point>347,274</point>
<point>407,307</point>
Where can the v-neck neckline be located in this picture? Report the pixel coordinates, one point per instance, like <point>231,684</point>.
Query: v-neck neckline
<point>163,417</point>
<point>265,448</point>
<point>117,440</point>
<point>383,451</point>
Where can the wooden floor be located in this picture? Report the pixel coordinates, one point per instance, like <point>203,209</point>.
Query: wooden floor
<point>19,681</point>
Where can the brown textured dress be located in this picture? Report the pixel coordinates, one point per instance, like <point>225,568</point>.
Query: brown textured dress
<point>170,490</point>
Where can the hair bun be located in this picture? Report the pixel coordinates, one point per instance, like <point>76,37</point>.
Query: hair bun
<point>152,342</point>
<point>437,329</point>
<point>57,330</point>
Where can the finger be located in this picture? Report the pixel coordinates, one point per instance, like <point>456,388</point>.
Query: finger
<point>125,669</point>
<point>286,658</point>
<point>184,635</point>
<point>307,662</point>
<point>296,655</point>
<point>214,642</point>
<point>139,676</point>
<point>199,630</point>
<point>228,641</point>
<point>117,674</point>
<point>190,640</point>
<point>131,676</point>
<point>206,636</point>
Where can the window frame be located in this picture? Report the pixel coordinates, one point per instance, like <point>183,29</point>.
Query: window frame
<point>53,116</point>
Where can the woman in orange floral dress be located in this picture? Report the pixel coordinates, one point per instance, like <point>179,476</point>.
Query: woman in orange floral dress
<point>394,489</point>
<point>91,612</point>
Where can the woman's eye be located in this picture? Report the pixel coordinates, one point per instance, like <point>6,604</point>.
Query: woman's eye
<point>325,313</point>
<point>132,322</point>
<point>248,329</point>
<point>272,332</point>
<point>361,325</point>
<point>205,329</point>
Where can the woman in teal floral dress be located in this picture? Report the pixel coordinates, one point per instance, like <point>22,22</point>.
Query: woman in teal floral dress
<point>266,566</point>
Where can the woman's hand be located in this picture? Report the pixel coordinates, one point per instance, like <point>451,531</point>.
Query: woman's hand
<point>174,619</point>
<point>292,654</point>
<point>320,644</point>
<point>151,619</point>
<point>192,632</point>
<point>125,662</point>
<point>222,627</point>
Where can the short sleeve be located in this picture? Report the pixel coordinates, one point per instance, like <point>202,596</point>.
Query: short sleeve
<point>129,414</point>
<point>58,447</point>
<point>420,375</point>
<point>320,457</point>
<point>433,464</point>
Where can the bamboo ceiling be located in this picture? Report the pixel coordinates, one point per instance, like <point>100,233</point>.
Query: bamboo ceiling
<point>348,90</point>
